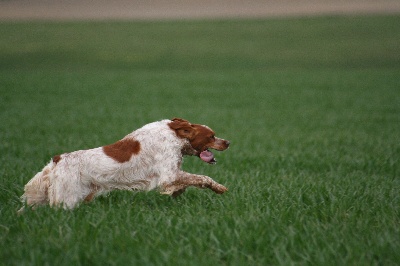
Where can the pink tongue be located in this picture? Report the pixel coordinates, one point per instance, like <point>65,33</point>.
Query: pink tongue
<point>206,156</point>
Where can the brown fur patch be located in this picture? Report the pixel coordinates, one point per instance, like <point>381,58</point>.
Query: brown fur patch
<point>90,197</point>
<point>92,194</point>
<point>122,150</point>
<point>56,158</point>
<point>203,137</point>
<point>182,128</point>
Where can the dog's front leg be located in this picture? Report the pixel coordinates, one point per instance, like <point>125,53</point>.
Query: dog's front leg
<point>185,180</point>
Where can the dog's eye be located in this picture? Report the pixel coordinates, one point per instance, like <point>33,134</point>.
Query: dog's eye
<point>212,137</point>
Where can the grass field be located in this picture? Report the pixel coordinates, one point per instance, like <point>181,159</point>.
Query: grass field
<point>311,106</point>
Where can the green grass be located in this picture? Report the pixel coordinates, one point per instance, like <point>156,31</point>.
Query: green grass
<point>311,106</point>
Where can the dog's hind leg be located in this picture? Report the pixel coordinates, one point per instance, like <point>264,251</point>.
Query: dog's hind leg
<point>66,188</point>
<point>36,190</point>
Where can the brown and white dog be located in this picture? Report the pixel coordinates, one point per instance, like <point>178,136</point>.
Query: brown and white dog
<point>147,158</point>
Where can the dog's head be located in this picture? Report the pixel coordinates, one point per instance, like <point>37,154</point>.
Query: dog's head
<point>201,138</point>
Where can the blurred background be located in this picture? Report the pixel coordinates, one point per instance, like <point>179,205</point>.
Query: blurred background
<point>159,9</point>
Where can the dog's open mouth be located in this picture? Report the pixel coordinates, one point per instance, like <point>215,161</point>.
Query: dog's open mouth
<point>208,157</point>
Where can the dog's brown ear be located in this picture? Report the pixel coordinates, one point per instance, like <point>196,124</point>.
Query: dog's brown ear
<point>182,127</point>
<point>179,119</point>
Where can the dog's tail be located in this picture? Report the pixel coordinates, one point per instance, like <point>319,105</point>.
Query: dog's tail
<point>36,190</point>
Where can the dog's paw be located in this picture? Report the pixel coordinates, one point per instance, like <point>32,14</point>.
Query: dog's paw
<point>219,189</point>
<point>167,192</point>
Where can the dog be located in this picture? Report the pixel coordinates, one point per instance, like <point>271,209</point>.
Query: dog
<point>146,159</point>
